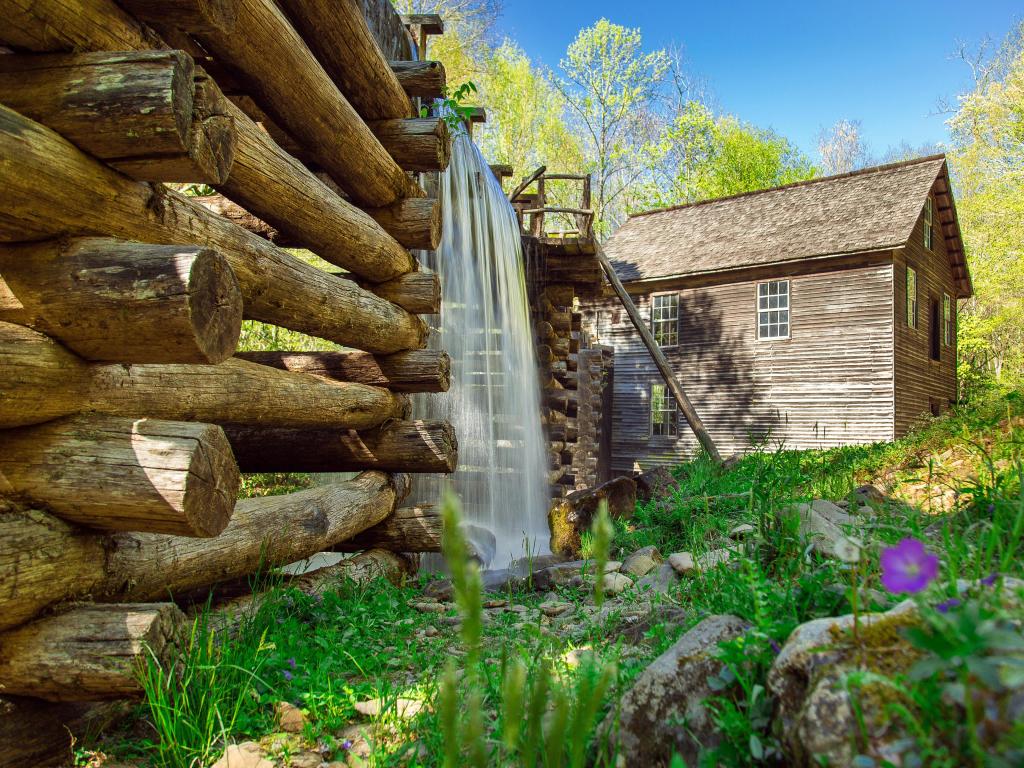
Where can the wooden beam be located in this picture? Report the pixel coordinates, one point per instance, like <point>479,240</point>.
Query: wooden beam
<point>422,370</point>
<point>134,110</point>
<point>52,188</point>
<point>415,292</point>
<point>415,222</point>
<point>193,16</point>
<point>397,446</point>
<point>527,181</point>
<point>421,79</point>
<point>689,412</point>
<point>124,474</point>
<point>407,529</point>
<point>430,23</point>
<point>417,144</point>
<point>337,32</point>
<point>86,25</point>
<point>113,300</point>
<point>91,652</point>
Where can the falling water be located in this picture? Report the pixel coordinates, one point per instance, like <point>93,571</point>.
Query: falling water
<point>493,402</point>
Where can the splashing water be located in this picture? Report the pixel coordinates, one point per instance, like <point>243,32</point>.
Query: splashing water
<point>493,402</point>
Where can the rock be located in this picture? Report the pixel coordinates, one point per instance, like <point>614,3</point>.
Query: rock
<point>683,562</point>
<point>553,608</point>
<point>664,711</point>
<point>495,603</point>
<point>825,536</point>
<point>481,542</point>
<point>612,566</point>
<point>713,559</point>
<point>403,708</point>
<point>869,495</point>
<point>615,583</point>
<point>561,575</point>
<point>246,755</point>
<point>660,581</point>
<point>575,513</point>
<point>742,531</point>
<point>306,760</point>
<point>433,607</point>
<point>635,632</point>
<point>641,562</point>
<point>833,512</point>
<point>289,717</point>
<point>655,483</point>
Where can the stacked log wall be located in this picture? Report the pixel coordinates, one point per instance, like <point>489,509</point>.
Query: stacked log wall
<point>125,414</point>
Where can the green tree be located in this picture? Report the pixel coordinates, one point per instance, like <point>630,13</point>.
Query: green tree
<point>611,88</point>
<point>987,160</point>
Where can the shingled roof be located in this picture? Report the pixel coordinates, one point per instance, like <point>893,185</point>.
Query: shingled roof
<point>868,210</point>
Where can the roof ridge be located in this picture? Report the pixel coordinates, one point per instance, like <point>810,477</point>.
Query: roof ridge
<point>791,185</point>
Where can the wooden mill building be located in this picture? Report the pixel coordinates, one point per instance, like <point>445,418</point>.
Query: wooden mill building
<point>816,314</point>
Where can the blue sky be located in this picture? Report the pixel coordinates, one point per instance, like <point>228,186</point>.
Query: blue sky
<point>796,67</point>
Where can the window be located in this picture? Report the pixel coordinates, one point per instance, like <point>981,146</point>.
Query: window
<point>947,319</point>
<point>911,297</point>
<point>934,320</point>
<point>773,310</point>
<point>928,223</point>
<point>664,418</point>
<point>665,319</point>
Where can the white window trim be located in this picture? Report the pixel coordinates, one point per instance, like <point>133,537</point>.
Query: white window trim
<point>650,413</point>
<point>917,298</point>
<point>653,334</point>
<point>929,232</point>
<point>947,320</point>
<point>757,311</point>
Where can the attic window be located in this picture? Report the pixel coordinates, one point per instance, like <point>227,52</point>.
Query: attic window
<point>664,417</point>
<point>665,319</point>
<point>928,223</point>
<point>911,297</point>
<point>773,310</point>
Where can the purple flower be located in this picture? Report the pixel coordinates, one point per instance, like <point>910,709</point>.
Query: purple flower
<point>908,567</point>
<point>775,647</point>
<point>989,580</point>
<point>287,675</point>
<point>291,662</point>
<point>346,744</point>
<point>947,605</point>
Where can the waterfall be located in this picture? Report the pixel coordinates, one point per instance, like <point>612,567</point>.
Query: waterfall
<point>493,402</point>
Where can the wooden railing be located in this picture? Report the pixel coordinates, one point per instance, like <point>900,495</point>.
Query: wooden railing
<point>536,216</point>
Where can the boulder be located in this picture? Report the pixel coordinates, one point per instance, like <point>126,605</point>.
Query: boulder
<point>742,531</point>
<point>641,562</point>
<point>289,718</point>
<point>574,514</point>
<point>683,562</point>
<point>655,483</point>
<point>660,580</point>
<point>615,583</point>
<point>713,559</point>
<point>820,526</point>
<point>664,711</point>
<point>245,755</point>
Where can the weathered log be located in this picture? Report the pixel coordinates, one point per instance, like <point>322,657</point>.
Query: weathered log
<point>415,222</point>
<point>120,474</point>
<point>236,214</point>
<point>407,529</point>
<point>40,380</point>
<point>397,446</point>
<point>90,653</point>
<point>127,302</point>
<point>133,110</point>
<point>278,69</point>
<point>544,330</point>
<point>46,561</point>
<point>85,25</point>
<point>424,79</point>
<point>415,292</point>
<point>417,144</point>
<point>36,733</point>
<point>421,370</point>
<point>196,16</point>
<point>52,188</point>
<point>338,34</point>
<point>545,355</point>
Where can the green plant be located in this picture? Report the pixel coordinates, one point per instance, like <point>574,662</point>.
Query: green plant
<point>452,107</point>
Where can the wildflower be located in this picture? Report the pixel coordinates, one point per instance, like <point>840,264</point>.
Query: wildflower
<point>775,647</point>
<point>291,662</point>
<point>287,675</point>
<point>947,605</point>
<point>908,567</point>
<point>989,580</point>
<point>346,745</point>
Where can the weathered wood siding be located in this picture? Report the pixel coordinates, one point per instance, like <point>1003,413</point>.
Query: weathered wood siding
<point>830,383</point>
<point>922,382</point>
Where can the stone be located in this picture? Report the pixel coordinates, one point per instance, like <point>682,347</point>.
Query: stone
<point>683,562</point>
<point>659,581</point>
<point>615,583</point>
<point>641,562</point>
<point>664,712</point>
<point>833,512</point>
<point>306,760</point>
<point>403,708</point>
<point>713,559</point>
<point>825,536</point>
<point>574,515</point>
<point>245,755</point>
<point>742,531</point>
<point>433,607</point>
<point>612,566</point>
<point>553,608</point>
<point>869,495</point>
<point>655,483</point>
<point>489,604</point>
<point>289,717</point>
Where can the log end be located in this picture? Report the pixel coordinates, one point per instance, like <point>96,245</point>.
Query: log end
<point>212,485</point>
<point>215,307</point>
<point>213,148</point>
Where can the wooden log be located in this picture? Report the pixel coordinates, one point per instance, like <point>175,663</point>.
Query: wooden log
<point>421,370</point>
<point>52,188</point>
<point>407,529</point>
<point>337,32</point>
<point>236,214</point>
<point>85,25</point>
<point>90,653</point>
<point>415,292</point>
<point>134,110</point>
<point>417,144</point>
<point>120,474</point>
<point>195,16</point>
<point>40,380</point>
<point>127,302</point>
<point>422,79</point>
<point>545,355</point>
<point>35,733</point>
<point>276,66</point>
<point>544,330</point>
<point>46,561</point>
<point>397,446</point>
<point>415,222</point>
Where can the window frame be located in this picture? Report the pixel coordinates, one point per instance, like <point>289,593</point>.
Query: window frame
<point>929,218</point>
<point>911,302</point>
<point>654,323</point>
<point>758,310</point>
<point>673,424</point>
<point>947,320</point>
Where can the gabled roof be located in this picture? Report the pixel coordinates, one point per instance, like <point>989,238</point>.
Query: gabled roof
<point>873,209</point>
